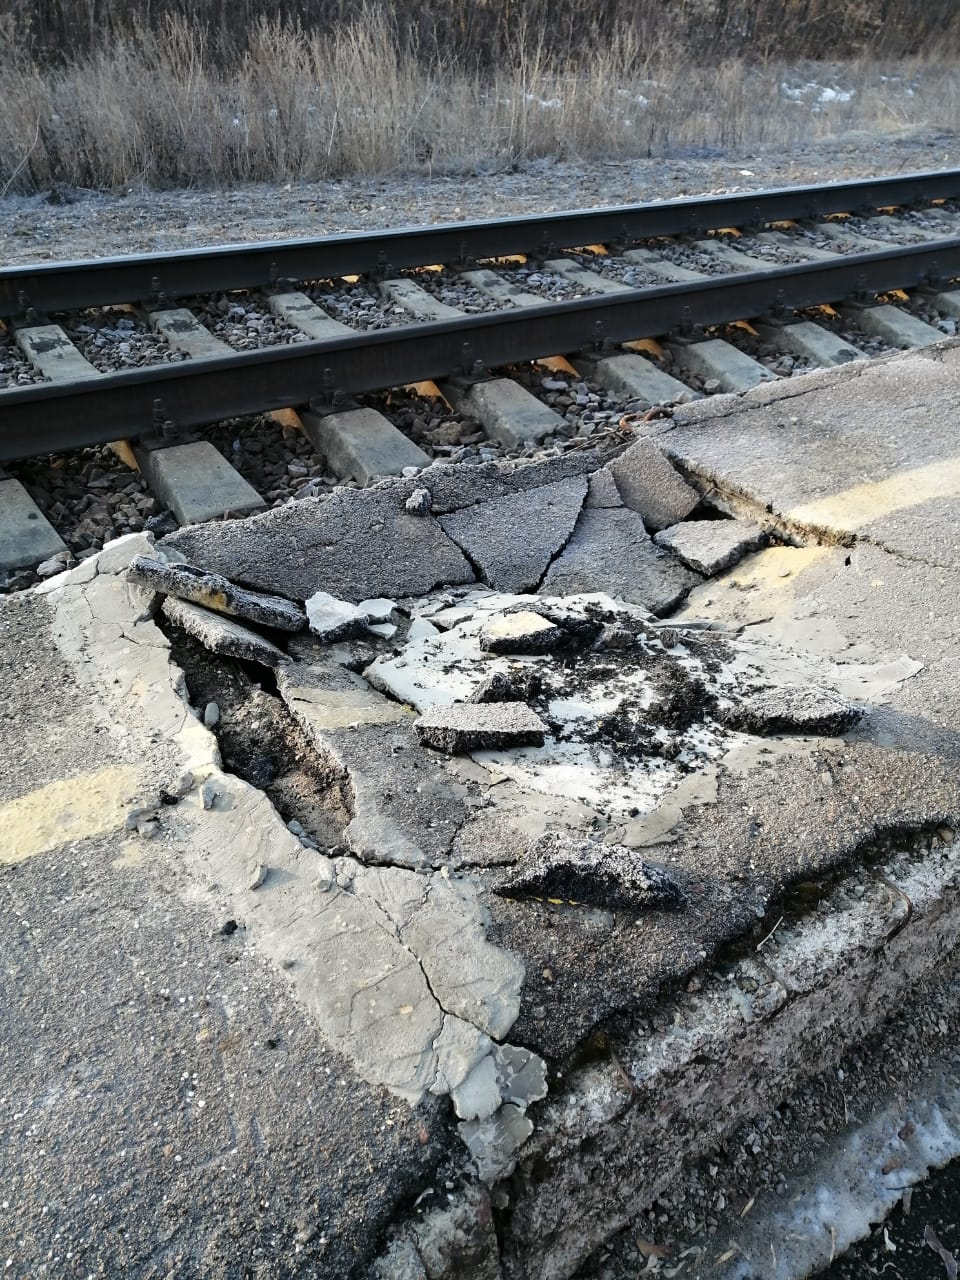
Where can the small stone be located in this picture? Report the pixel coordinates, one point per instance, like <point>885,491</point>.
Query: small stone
<point>260,873</point>
<point>521,632</point>
<point>211,715</point>
<point>495,1141</point>
<point>461,727</point>
<point>148,828</point>
<point>419,503</point>
<point>515,686</point>
<point>208,795</point>
<point>56,564</point>
<point>229,928</point>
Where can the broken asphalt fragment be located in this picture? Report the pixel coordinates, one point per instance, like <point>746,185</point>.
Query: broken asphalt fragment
<point>511,540</point>
<point>356,544</point>
<point>220,635</point>
<point>651,485</point>
<point>333,619</point>
<point>710,546</point>
<point>460,727</point>
<point>215,592</point>
<point>520,632</point>
<point>582,872</point>
<point>495,1141</point>
<point>611,551</point>
<point>792,708</point>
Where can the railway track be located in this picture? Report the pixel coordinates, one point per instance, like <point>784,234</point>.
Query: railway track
<point>808,271</point>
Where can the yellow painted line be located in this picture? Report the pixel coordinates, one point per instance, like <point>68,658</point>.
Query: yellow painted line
<point>72,809</point>
<point>860,505</point>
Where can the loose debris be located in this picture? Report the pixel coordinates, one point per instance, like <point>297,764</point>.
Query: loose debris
<point>559,869</point>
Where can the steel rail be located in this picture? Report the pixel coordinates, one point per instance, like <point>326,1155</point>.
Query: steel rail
<point>153,277</point>
<point>49,417</point>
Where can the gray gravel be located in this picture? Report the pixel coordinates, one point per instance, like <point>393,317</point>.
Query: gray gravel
<point>903,232</point>
<point>761,249</point>
<point>358,305</point>
<point>616,268</point>
<point>242,320</point>
<point>687,255</point>
<point>448,288</point>
<point>533,278</point>
<point>111,340</point>
<point>15,369</point>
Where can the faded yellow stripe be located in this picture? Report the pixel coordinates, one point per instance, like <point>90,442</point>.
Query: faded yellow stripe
<point>853,508</point>
<point>71,809</point>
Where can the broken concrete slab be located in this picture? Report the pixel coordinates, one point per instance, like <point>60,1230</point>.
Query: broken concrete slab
<point>461,727</point>
<point>559,869</point>
<point>710,546</point>
<point>495,1141</point>
<point>794,709</point>
<point>221,635</point>
<point>650,485</point>
<point>333,619</point>
<point>355,544</point>
<point>611,551</point>
<point>453,487</point>
<point>856,452</point>
<point>512,540</point>
<point>216,593</point>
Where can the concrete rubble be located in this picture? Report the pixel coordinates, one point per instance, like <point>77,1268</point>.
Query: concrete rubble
<point>556,784</point>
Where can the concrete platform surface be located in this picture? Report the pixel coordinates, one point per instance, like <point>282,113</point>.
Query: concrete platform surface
<point>377,997</point>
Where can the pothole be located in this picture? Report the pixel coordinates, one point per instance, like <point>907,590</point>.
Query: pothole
<point>262,744</point>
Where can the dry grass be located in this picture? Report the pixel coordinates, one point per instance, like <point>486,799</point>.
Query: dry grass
<point>166,108</point>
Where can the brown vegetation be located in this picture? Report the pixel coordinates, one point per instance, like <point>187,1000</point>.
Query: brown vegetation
<point>110,93</point>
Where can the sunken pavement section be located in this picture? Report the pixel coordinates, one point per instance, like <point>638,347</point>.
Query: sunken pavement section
<point>385,875</point>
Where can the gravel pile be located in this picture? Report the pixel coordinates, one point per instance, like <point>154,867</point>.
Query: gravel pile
<point>924,310</point>
<point>784,254</point>
<point>448,288</point>
<point>242,320</point>
<point>899,232</point>
<point>849,332</point>
<point>806,236</point>
<point>89,497</point>
<point>782,363</point>
<point>15,369</point>
<point>686,255</point>
<point>358,305</point>
<point>280,462</point>
<point>620,269</point>
<point>112,340</point>
<point>438,429</point>
<point>532,278</point>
